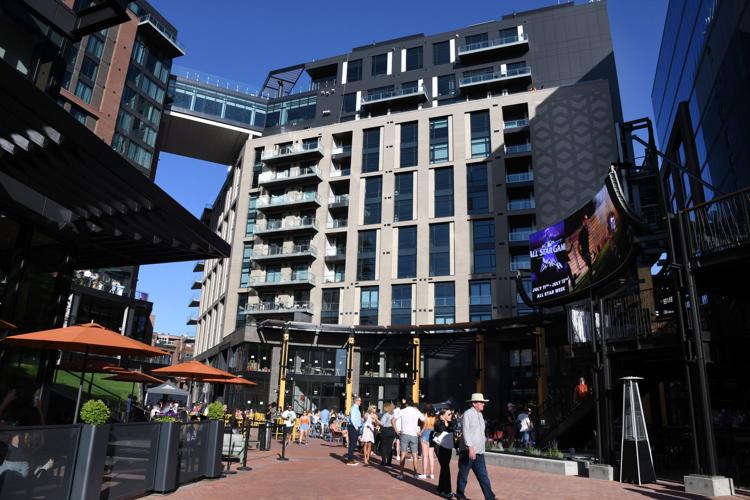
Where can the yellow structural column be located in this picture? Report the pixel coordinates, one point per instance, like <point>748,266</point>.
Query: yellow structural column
<point>416,362</point>
<point>479,361</point>
<point>283,368</point>
<point>349,372</point>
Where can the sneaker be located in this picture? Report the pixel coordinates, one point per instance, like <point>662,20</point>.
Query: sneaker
<point>420,476</point>
<point>400,476</point>
<point>432,476</point>
<point>353,462</point>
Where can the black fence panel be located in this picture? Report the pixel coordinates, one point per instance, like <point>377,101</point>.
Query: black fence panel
<point>131,460</point>
<point>37,462</point>
<point>192,454</point>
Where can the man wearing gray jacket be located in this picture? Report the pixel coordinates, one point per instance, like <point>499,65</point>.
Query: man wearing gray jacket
<point>471,454</point>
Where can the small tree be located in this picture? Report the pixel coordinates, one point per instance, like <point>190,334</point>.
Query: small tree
<point>95,412</point>
<point>216,411</point>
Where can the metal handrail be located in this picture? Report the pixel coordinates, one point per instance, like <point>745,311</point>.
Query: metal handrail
<point>720,224</point>
<point>390,94</point>
<point>497,42</point>
<point>497,75</point>
<point>294,250</point>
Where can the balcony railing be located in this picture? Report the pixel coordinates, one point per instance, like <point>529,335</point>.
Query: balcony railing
<point>291,251</point>
<point>519,177</point>
<point>278,307</point>
<point>719,225</point>
<point>294,279</point>
<point>290,151</point>
<point>335,172</point>
<point>337,223</point>
<point>517,265</point>
<point>493,44</point>
<point>295,173</point>
<point>517,148</point>
<point>345,150</point>
<point>333,278</point>
<point>494,77</point>
<point>516,123</point>
<point>394,94</point>
<point>521,204</point>
<point>339,201</point>
<point>287,199</point>
<point>172,38</point>
<point>520,234</point>
<point>288,225</point>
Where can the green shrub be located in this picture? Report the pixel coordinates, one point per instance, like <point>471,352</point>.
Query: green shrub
<point>554,452</point>
<point>534,452</point>
<point>164,419</point>
<point>216,411</point>
<point>95,412</point>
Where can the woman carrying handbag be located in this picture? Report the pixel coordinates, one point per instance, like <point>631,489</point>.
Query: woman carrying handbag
<point>444,448</point>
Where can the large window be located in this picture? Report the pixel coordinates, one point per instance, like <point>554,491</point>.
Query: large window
<point>444,192</point>
<point>480,300</point>
<point>89,68</point>
<point>247,254</point>
<point>403,203</point>
<point>483,233</point>
<point>401,305</point>
<point>414,58</point>
<point>354,71</point>
<point>445,303</point>
<point>373,196</point>
<point>441,52</point>
<point>330,308</point>
<point>350,103</point>
<point>440,250</point>
<point>368,305</point>
<point>366,251</point>
<point>438,139</point>
<point>409,144</point>
<point>407,252</point>
<point>371,150</point>
<point>480,134</point>
<point>476,186</point>
<point>446,85</point>
<point>379,64</point>
<point>84,91</point>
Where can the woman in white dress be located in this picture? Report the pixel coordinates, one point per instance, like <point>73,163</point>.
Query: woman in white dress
<point>368,432</point>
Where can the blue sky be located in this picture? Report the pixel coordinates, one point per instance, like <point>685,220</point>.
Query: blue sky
<point>243,40</point>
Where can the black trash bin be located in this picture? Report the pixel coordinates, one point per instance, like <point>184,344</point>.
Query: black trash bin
<point>265,432</point>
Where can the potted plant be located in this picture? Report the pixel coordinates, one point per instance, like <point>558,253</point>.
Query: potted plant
<point>92,450</point>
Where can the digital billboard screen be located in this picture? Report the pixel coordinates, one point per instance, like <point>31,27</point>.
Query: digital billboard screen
<point>573,254</point>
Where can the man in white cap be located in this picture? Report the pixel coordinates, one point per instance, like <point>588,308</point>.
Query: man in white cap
<point>471,454</point>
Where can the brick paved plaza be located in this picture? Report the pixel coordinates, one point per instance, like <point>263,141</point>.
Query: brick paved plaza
<point>317,471</point>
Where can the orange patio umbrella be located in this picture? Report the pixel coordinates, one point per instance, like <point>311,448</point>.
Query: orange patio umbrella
<point>89,338</point>
<point>233,381</point>
<point>135,376</point>
<point>194,371</point>
<point>5,325</point>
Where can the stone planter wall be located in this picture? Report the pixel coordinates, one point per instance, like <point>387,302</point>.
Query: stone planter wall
<point>539,464</point>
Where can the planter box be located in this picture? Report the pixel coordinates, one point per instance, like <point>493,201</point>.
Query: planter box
<point>167,461</point>
<point>539,464</point>
<point>709,486</point>
<point>89,466</point>
<point>214,442</point>
<point>601,471</point>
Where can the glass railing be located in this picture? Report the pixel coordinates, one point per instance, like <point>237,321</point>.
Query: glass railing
<point>304,277</point>
<point>340,172</point>
<point>292,150</point>
<point>333,278</point>
<point>284,251</point>
<point>342,150</point>
<point>341,200</point>
<point>520,177</point>
<point>304,222</point>
<point>101,279</point>
<point>400,303</point>
<point>518,148</point>
<point>266,201</point>
<point>148,18</point>
<point>393,94</point>
<point>271,176</point>
<point>277,307</point>
<point>521,204</point>
<point>520,234</point>
<point>491,44</point>
<point>337,223</point>
<point>488,77</point>
<point>517,265</point>
<point>516,123</point>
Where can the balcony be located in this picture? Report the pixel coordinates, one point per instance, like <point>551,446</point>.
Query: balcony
<point>519,177</point>
<point>200,266</point>
<point>332,277</point>
<point>718,231</point>
<point>384,98</point>
<point>270,308</point>
<point>293,152</point>
<point>168,41</point>
<point>335,255</point>
<point>491,79</point>
<point>338,201</point>
<point>197,284</point>
<point>520,235</point>
<point>521,204</point>
<point>343,151</point>
<point>498,45</point>
<point>276,281</point>
<point>337,224</point>
<point>192,320</point>
<point>520,264</point>
<point>287,200</point>
<point>339,172</point>
<point>271,253</point>
<point>303,224</point>
<point>287,176</point>
<point>195,301</point>
<point>511,124</point>
<point>516,149</point>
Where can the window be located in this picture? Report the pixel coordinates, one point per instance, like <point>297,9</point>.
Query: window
<point>483,233</point>
<point>403,208</point>
<point>480,134</point>
<point>444,192</point>
<point>413,58</point>
<point>83,91</point>
<point>401,305</point>
<point>410,87</point>
<point>89,68</point>
<point>522,363</point>
<point>368,305</point>
<point>94,46</point>
<point>480,300</point>
<point>438,139</point>
<point>354,71</point>
<point>521,307</point>
<point>440,250</point>
<point>247,254</point>
<point>371,150</point>
<point>273,274</point>
<point>379,64</point>
<point>476,185</point>
<point>350,103</point>
<point>78,114</point>
<point>509,34</point>
<point>409,144</point>
<point>407,252</point>
<point>366,251</point>
<point>125,121</point>
<point>446,85</point>
<point>481,38</point>
<point>445,303</point>
<point>330,310</point>
<point>441,52</point>
<point>373,196</point>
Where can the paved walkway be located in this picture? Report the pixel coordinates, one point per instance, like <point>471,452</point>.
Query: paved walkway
<point>316,471</point>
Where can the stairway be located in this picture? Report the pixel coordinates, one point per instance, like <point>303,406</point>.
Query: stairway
<point>555,428</point>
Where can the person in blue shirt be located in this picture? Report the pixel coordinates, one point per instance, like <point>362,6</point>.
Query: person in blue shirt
<point>353,428</point>
<point>324,416</point>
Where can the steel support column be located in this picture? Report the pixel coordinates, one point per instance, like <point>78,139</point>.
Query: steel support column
<point>283,368</point>
<point>349,372</point>
<point>479,361</point>
<point>416,362</point>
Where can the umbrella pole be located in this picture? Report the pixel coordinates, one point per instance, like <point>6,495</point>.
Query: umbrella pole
<point>80,386</point>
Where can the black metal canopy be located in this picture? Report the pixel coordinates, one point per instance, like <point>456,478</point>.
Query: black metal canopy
<point>60,177</point>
